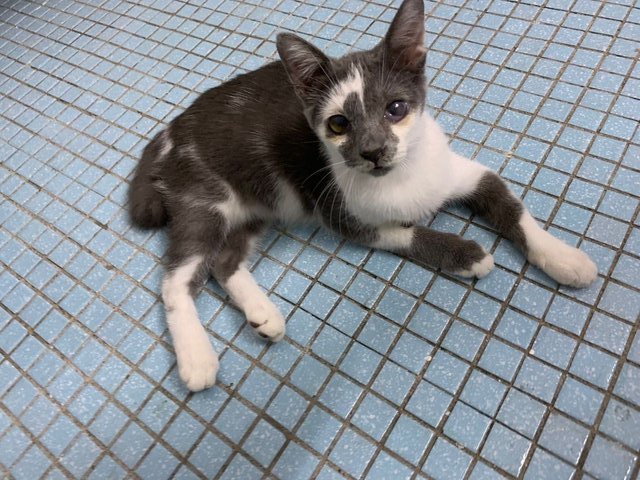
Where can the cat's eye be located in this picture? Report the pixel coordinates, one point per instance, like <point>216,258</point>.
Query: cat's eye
<point>338,124</point>
<point>397,110</point>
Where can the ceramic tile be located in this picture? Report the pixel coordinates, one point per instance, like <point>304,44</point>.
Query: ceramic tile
<point>606,460</point>
<point>377,346</point>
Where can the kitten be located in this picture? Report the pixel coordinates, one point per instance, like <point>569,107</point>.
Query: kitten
<point>344,141</point>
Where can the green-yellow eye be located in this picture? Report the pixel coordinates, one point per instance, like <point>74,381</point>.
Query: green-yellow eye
<point>338,124</point>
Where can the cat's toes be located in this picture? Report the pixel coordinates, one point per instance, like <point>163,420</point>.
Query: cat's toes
<point>478,268</point>
<point>197,362</point>
<point>266,320</point>
<point>566,265</point>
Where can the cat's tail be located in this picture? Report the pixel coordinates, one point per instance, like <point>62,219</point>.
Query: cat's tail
<point>146,205</point>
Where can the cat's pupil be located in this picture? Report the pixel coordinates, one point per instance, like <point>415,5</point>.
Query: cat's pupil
<point>397,110</point>
<point>338,124</point>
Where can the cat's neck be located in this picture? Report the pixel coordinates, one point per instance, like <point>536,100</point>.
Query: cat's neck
<point>417,184</point>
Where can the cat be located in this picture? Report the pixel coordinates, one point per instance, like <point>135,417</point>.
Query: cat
<point>346,142</point>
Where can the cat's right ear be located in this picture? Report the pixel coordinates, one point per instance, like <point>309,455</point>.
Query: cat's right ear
<point>303,62</point>
<point>404,41</point>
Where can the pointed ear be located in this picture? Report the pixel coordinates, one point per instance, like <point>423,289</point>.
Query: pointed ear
<point>404,42</point>
<point>303,62</point>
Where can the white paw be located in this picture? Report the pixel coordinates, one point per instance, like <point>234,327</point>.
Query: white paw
<point>480,268</point>
<point>565,264</point>
<point>266,320</point>
<point>197,360</point>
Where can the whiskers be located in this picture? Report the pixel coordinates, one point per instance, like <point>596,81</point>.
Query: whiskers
<point>342,218</point>
<point>320,170</point>
<point>332,187</point>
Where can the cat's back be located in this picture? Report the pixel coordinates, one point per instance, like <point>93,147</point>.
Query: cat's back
<point>249,121</point>
<point>260,101</point>
<point>250,133</point>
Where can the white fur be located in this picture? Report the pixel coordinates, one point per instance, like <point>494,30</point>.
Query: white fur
<point>403,131</point>
<point>427,174</point>
<point>197,361</point>
<point>334,105</point>
<point>394,238</point>
<point>478,269</point>
<point>467,174</point>
<point>565,264</point>
<point>289,207</point>
<point>234,210</point>
<point>421,181</point>
<point>339,93</point>
<point>166,144</point>
<point>257,307</point>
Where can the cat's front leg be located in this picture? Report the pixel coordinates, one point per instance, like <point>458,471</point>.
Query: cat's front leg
<point>487,194</point>
<point>204,242</point>
<point>195,236</point>
<point>423,245</point>
<point>436,249</point>
<point>232,274</point>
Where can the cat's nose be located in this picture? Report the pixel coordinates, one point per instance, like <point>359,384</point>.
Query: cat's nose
<point>374,156</point>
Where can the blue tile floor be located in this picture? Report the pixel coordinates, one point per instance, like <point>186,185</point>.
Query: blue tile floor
<point>389,370</point>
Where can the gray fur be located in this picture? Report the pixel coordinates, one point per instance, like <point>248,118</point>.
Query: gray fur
<point>495,202</point>
<point>373,141</point>
<point>260,129</point>
<point>443,250</point>
<point>146,206</point>
<point>236,249</point>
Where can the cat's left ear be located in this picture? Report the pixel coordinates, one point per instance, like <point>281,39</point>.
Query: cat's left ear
<point>303,62</point>
<point>404,42</point>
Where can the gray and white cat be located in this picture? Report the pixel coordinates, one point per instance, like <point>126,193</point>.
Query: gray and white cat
<point>344,141</point>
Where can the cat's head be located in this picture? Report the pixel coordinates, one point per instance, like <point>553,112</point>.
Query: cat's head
<point>363,105</point>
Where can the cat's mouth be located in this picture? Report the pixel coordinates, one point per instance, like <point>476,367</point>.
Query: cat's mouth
<point>380,170</point>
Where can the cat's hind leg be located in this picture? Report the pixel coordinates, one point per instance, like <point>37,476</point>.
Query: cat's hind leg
<point>487,194</point>
<point>146,205</point>
<point>233,275</point>
<point>197,360</point>
<point>194,240</point>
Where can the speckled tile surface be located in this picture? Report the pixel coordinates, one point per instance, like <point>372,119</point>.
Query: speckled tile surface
<point>388,370</point>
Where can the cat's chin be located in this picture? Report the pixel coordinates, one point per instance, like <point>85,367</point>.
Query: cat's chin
<point>380,171</point>
<point>368,171</point>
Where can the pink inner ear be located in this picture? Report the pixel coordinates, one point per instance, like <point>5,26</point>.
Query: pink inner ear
<point>408,43</point>
<point>413,56</point>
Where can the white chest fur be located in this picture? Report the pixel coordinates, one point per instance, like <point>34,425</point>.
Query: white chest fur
<point>416,187</point>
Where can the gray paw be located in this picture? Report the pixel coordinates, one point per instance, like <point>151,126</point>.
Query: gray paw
<point>479,268</point>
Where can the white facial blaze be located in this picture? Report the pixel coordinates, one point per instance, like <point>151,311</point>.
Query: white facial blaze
<point>339,93</point>
<point>334,105</point>
<point>406,133</point>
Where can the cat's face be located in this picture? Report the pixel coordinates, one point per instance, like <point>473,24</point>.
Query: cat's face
<point>364,118</point>
<point>363,105</point>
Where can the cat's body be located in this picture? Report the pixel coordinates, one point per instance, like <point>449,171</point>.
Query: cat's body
<point>345,142</point>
